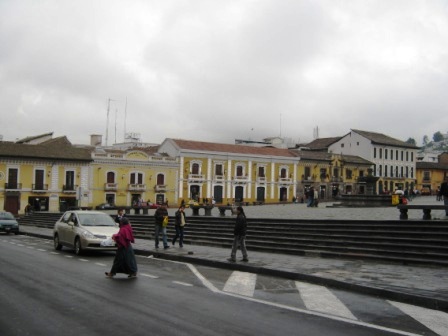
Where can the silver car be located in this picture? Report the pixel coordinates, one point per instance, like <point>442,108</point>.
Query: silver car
<point>84,230</point>
<point>8,223</point>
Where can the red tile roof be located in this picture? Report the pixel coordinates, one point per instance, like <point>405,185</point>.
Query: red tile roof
<point>230,148</point>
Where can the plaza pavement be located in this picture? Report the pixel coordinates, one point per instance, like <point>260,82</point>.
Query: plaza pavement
<point>426,286</point>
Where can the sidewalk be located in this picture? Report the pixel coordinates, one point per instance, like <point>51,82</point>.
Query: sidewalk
<point>418,285</point>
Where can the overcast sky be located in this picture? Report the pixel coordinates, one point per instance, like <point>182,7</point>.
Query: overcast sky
<point>219,70</point>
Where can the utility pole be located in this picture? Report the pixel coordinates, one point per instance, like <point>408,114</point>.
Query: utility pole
<point>107,121</point>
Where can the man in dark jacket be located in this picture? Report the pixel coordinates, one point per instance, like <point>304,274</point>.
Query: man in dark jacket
<point>160,215</point>
<point>444,193</point>
<point>239,232</point>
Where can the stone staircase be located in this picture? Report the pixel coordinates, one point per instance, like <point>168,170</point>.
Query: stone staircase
<point>413,242</point>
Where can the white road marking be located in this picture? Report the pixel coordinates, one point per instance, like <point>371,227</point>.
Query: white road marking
<point>321,299</point>
<point>55,253</point>
<point>183,283</point>
<point>435,320</point>
<point>149,276</point>
<point>20,245</point>
<point>68,256</point>
<point>241,283</point>
<point>204,281</point>
<point>100,264</point>
<point>42,250</point>
<point>83,260</point>
<point>30,247</point>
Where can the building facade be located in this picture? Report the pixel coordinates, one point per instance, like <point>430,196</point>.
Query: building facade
<point>233,173</point>
<point>394,160</point>
<point>45,173</point>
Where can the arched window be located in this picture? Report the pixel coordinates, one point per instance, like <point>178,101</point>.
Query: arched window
<point>136,178</point>
<point>160,179</point>
<point>110,177</point>
<point>239,171</point>
<point>283,173</point>
<point>195,168</point>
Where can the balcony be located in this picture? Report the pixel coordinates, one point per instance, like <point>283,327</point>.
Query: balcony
<point>336,179</point>
<point>39,188</point>
<point>69,188</point>
<point>136,187</point>
<point>309,179</point>
<point>110,186</point>
<point>13,186</point>
<point>284,180</point>
<point>160,187</point>
<point>196,177</point>
<point>240,179</point>
<point>219,178</point>
<point>261,179</point>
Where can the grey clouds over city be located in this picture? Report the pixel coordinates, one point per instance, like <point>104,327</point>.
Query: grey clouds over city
<point>219,70</point>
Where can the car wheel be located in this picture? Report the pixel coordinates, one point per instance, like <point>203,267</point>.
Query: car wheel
<point>78,247</point>
<point>57,245</point>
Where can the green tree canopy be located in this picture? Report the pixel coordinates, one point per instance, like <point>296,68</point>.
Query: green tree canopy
<point>425,140</point>
<point>437,136</point>
<point>411,141</point>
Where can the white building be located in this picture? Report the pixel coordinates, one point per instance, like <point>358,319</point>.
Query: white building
<point>394,160</point>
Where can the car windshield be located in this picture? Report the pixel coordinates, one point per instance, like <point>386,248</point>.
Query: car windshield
<point>6,215</point>
<point>96,219</point>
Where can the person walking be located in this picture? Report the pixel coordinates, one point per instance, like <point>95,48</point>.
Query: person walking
<point>124,261</point>
<point>444,193</point>
<point>179,226</point>
<point>161,217</point>
<point>120,215</point>
<point>239,233</point>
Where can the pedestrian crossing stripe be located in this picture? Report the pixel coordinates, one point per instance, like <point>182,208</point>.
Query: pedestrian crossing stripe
<point>241,283</point>
<point>435,320</point>
<point>319,298</point>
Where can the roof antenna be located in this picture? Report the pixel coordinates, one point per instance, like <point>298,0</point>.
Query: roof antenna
<point>107,121</point>
<point>125,116</point>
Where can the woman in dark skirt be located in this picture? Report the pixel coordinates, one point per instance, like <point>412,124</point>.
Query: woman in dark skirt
<point>124,261</point>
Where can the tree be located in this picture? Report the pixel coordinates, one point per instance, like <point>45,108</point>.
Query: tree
<point>437,136</point>
<point>425,140</point>
<point>411,141</point>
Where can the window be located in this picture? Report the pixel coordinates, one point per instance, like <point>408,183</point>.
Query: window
<point>348,173</point>
<point>407,171</point>
<point>402,175</point>
<point>396,155</point>
<point>160,179</point>
<point>401,155</point>
<point>261,172</point>
<point>396,171</point>
<point>385,153</point>
<point>407,156</point>
<point>381,153</point>
<point>374,153</point>
<point>426,175</point>
<point>13,175</point>
<point>136,178</point>
<point>283,173</point>
<point>342,145</point>
<point>307,173</point>
<point>412,156</point>
<point>218,170</point>
<point>385,170</point>
<point>195,168</point>
<point>239,171</point>
<point>70,180</point>
<point>391,171</point>
<point>39,179</point>
<point>381,171</point>
<point>323,173</point>
<point>110,177</point>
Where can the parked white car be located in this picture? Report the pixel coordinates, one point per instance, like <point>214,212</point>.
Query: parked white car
<point>84,230</point>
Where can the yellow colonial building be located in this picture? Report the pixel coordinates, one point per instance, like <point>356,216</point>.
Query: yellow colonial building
<point>233,173</point>
<point>132,177</point>
<point>43,172</point>
<point>430,175</point>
